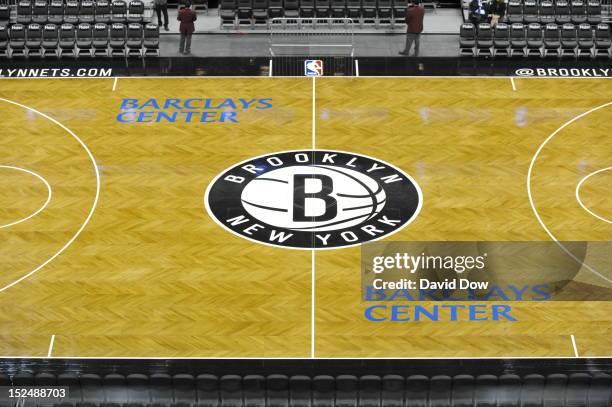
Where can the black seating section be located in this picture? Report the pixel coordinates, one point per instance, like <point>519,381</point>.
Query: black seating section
<point>277,390</point>
<point>535,39</point>
<point>554,11</point>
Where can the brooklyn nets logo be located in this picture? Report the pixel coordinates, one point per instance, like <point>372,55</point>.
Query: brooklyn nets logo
<point>313,199</point>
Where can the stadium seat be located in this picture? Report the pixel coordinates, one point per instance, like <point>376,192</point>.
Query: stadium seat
<point>578,11</point>
<point>384,13</point>
<point>71,12</point>
<point>40,12</point>
<point>346,391</point>
<point>577,392</point>
<point>100,40</point>
<point>24,12</point>
<point>184,390</point>
<point>552,41</point>
<point>278,390</point>
<point>56,12</point>
<point>534,39</point>
<point>353,10</point>
<point>4,52</point>
<point>484,39</point>
<point>368,12</point>
<point>501,39</point>
<point>117,39</point>
<point>50,42</point>
<point>569,40</point>
<point>91,384</point>
<point>260,12</point>
<point>554,390</point>
<point>135,41</point>
<point>67,47</point>
<point>485,391</point>
<point>603,41</point>
<point>5,14</point>
<point>467,39</point>
<point>584,40</point>
<point>135,11</point>
<point>84,43</point>
<point>547,12</point>
<point>530,12</point>
<point>115,387</point>
<point>254,389</point>
<point>440,390</point>
<point>323,391</point>
<point>227,12</point>
<point>515,11</point>
<point>291,8</point>
<point>208,390</point>
<point>138,384</point>
<point>417,391</point>
<point>34,40</point>
<point>599,392</point>
<point>392,391</point>
<point>463,385</point>
<point>275,9</point>
<point>151,40</point>
<point>245,12</point>
<point>102,11</point>
<point>307,8</point>
<point>161,383</point>
<point>562,12</point>
<point>509,391</point>
<point>399,11</point>
<point>518,39</point>
<point>118,11</point>
<point>369,391</point>
<point>322,8</point>
<point>338,8</point>
<point>87,12</point>
<point>230,391</point>
<point>300,388</point>
<point>594,12</point>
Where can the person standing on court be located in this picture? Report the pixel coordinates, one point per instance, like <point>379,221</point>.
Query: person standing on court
<point>187,17</point>
<point>161,7</point>
<point>414,21</point>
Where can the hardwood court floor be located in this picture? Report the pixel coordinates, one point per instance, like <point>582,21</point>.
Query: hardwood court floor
<point>152,275</point>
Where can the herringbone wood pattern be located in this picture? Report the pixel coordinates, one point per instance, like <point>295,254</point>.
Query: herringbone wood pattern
<point>153,275</point>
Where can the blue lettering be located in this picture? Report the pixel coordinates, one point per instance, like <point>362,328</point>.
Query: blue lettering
<point>368,313</point>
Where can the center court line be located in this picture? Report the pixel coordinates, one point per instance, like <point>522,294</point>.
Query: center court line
<point>115,83</point>
<point>312,259</point>
<point>51,346</point>
<point>513,84</point>
<point>574,346</point>
<point>530,195</point>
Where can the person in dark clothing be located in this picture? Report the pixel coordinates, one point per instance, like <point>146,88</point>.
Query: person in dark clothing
<point>187,17</point>
<point>478,12</point>
<point>161,7</point>
<point>497,9</point>
<point>414,21</point>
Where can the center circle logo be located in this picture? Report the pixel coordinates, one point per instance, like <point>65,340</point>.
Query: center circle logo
<point>313,199</point>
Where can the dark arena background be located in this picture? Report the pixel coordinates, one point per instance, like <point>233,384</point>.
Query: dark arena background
<point>305,203</point>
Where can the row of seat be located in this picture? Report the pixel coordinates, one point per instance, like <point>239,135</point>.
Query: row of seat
<point>100,39</point>
<point>560,12</point>
<point>364,12</point>
<point>73,12</point>
<point>276,390</point>
<point>535,39</point>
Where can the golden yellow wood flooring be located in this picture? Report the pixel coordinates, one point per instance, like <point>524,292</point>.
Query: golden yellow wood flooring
<point>152,274</point>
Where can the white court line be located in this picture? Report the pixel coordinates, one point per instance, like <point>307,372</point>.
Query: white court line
<point>91,211</point>
<point>312,259</point>
<point>42,208</point>
<point>529,194</point>
<point>115,83</point>
<point>51,346</point>
<point>306,358</point>
<point>580,200</point>
<point>513,84</point>
<point>574,346</point>
<point>356,67</point>
<point>329,77</point>
<point>270,69</point>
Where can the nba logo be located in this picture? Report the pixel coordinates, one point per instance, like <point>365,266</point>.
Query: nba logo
<point>313,67</point>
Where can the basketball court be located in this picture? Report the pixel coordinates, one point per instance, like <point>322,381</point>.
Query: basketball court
<point>107,248</point>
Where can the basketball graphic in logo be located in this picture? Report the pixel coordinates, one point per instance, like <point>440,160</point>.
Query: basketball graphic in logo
<point>313,199</point>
